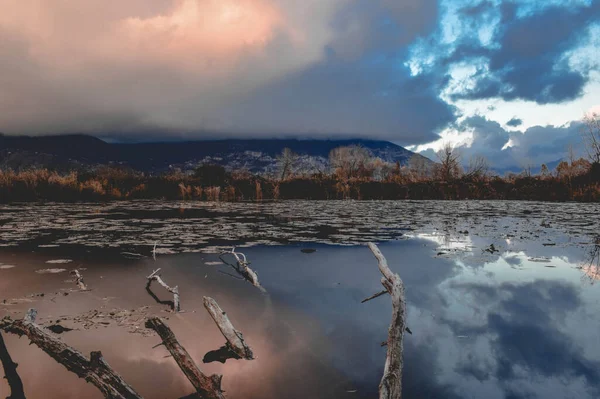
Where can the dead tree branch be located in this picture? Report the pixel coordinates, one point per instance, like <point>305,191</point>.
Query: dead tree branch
<point>207,387</point>
<point>95,370</point>
<point>235,340</point>
<point>242,268</point>
<point>374,296</point>
<point>10,373</point>
<point>175,290</point>
<point>390,386</point>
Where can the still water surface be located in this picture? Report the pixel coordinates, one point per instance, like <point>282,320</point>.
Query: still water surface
<point>519,323</point>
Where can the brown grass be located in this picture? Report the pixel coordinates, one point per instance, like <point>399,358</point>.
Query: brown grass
<point>577,180</point>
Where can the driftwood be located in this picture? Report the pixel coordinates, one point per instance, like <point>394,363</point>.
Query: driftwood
<point>10,373</point>
<point>79,280</point>
<point>242,268</point>
<point>235,340</point>
<point>206,387</point>
<point>95,370</point>
<point>175,290</point>
<point>390,386</point>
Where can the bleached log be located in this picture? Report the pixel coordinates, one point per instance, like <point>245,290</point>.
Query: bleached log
<point>79,280</point>
<point>207,387</point>
<point>235,340</point>
<point>243,269</point>
<point>10,373</point>
<point>174,290</point>
<point>95,370</point>
<point>390,386</point>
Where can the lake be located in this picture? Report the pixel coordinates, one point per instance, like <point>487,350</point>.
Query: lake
<point>502,297</point>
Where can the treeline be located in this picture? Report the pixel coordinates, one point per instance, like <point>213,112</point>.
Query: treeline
<point>353,174</point>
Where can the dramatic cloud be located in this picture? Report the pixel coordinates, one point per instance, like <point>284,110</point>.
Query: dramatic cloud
<point>402,70</point>
<point>528,52</point>
<point>258,67</point>
<point>515,150</point>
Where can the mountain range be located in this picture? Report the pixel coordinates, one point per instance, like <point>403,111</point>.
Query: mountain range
<point>67,152</point>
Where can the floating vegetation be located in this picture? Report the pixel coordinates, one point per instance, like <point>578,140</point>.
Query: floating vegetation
<point>50,271</point>
<point>134,227</point>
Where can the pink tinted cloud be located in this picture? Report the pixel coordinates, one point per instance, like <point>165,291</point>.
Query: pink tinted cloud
<point>70,65</point>
<point>222,30</point>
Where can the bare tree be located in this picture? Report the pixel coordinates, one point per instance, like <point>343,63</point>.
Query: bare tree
<point>571,153</point>
<point>591,136</point>
<point>381,170</point>
<point>563,170</point>
<point>285,163</point>
<point>349,161</point>
<point>544,172</point>
<point>580,167</point>
<point>449,166</point>
<point>478,167</point>
<point>417,166</point>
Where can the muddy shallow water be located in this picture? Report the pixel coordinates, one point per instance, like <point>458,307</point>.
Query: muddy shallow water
<point>520,322</point>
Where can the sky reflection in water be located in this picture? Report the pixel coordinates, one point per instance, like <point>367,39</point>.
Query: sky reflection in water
<point>521,323</point>
<point>515,325</point>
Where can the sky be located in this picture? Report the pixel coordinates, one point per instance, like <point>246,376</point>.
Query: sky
<point>508,80</point>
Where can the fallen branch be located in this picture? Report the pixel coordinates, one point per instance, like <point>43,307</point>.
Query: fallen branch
<point>390,386</point>
<point>374,296</point>
<point>207,387</point>
<point>175,290</point>
<point>235,340</point>
<point>79,280</point>
<point>242,268</point>
<point>10,373</point>
<point>95,370</point>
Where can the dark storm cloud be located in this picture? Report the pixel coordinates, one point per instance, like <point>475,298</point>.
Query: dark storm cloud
<point>184,68</point>
<point>365,25</point>
<point>528,59</point>
<point>190,68</point>
<point>356,99</point>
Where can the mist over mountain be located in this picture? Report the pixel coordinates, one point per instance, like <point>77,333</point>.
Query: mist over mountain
<point>255,155</point>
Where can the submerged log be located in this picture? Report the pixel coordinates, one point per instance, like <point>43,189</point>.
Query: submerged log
<point>79,280</point>
<point>235,340</point>
<point>175,290</point>
<point>10,373</point>
<point>206,387</point>
<point>95,370</point>
<point>390,386</point>
<point>242,268</point>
